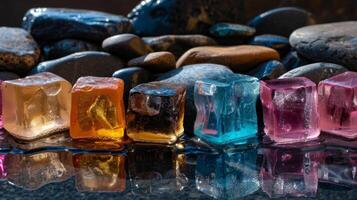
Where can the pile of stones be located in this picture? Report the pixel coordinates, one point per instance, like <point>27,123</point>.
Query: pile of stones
<point>152,45</point>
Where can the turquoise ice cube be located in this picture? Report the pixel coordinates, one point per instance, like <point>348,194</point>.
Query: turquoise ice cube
<point>226,109</point>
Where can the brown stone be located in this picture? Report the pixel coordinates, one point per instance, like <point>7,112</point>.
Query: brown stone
<point>156,62</point>
<point>18,50</point>
<point>239,58</point>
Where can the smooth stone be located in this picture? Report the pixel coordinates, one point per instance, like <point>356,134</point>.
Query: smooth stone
<point>281,21</point>
<point>18,50</point>
<point>126,46</point>
<point>66,47</point>
<point>153,17</point>
<point>333,42</point>
<point>132,76</point>
<point>268,70</point>
<point>53,24</point>
<point>4,76</point>
<point>238,58</point>
<point>230,30</point>
<point>178,44</point>
<point>316,71</point>
<point>277,42</point>
<point>87,63</point>
<point>157,62</point>
<point>293,60</point>
<point>187,76</point>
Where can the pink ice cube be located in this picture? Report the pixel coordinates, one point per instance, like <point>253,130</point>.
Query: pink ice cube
<point>338,104</point>
<point>290,109</point>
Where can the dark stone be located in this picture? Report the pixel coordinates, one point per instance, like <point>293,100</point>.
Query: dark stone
<point>157,62</point>
<point>293,60</point>
<point>87,63</point>
<point>132,77</point>
<point>66,47</point>
<point>178,44</point>
<point>18,50</point>
<point>268,70</point>
<point>279,43</point>
<point>154,17</point>
<point>187,76</point>
<point>316,71</point>
<point>53,24</point>
<point>334,42</point>
<point>229,30</point>
<point>126,46</point>
<point>8,76</point>
<point>281,21</point>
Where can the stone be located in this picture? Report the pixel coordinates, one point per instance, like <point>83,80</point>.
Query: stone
<point>154,17</point>
<point>33,171</point>
<point>66,47</point>
<point>187,76</point>
<point>230,30</point>
<point>87,63</point>
<point>178,44</point>
<point>316,71</point>
<point>239,58</point>
<point>98,110</point>
<point>157,62</point>
<point>268,70</point>
<point>132,76</point>
<point>217,176</point>
<point>279,43</point>
<point>293,60</point>
<point>97,172</point>
<point>156,112</point>
<point>332,42</point>
<point>290,172</point>
<point>53,24</point>
<point>126,46</point>
<point>281,21</point>
<point>290,109</point>
<point>338,105</point>
<point>226,109</point>
<point>18,50</point>
<point>36,106</point>
<point>4,76</point>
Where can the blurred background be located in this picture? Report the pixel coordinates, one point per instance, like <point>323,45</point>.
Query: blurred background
<point>12,11</point>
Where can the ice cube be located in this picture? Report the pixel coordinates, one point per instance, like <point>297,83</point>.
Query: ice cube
<point>36,106</point>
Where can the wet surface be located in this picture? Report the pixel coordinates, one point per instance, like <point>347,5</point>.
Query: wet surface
<point>60,168</point>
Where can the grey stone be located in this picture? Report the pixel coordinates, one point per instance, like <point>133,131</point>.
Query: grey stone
<point>87,63</point>
<point>269,70</point>
<point>333,42</point>
<point>316,71</point>
<point>8,76</point>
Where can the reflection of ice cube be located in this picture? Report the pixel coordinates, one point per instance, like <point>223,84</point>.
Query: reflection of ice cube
<point>206,88</point>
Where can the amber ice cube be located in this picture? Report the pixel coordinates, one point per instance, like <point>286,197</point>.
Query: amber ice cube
<point>156,112</point>
<point>98,108</point>
<point>100,172</point>
<point>36,106</point>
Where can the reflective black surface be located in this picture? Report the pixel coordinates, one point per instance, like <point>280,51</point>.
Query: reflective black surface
<point>59,168</point>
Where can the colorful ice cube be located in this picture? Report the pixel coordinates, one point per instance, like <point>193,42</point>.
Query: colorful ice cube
<point>290,109</point>
<point>36,106</point>
<point>338,105</point>
<point>97,109</point>
<point>226,109</point>
<point>156,112</point>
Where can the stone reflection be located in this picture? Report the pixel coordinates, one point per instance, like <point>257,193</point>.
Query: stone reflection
<point>36,170</point>
<point>290,172</point>
<point>157,169</point>
<point>339,167</point>
<point>229,175</point>
<point>100,172</point>
<point>3,169</point>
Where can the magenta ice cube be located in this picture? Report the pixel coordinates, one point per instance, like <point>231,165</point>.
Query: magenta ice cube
<point>290,109</point>
<point>338,104</point>
<point>290,172</point>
